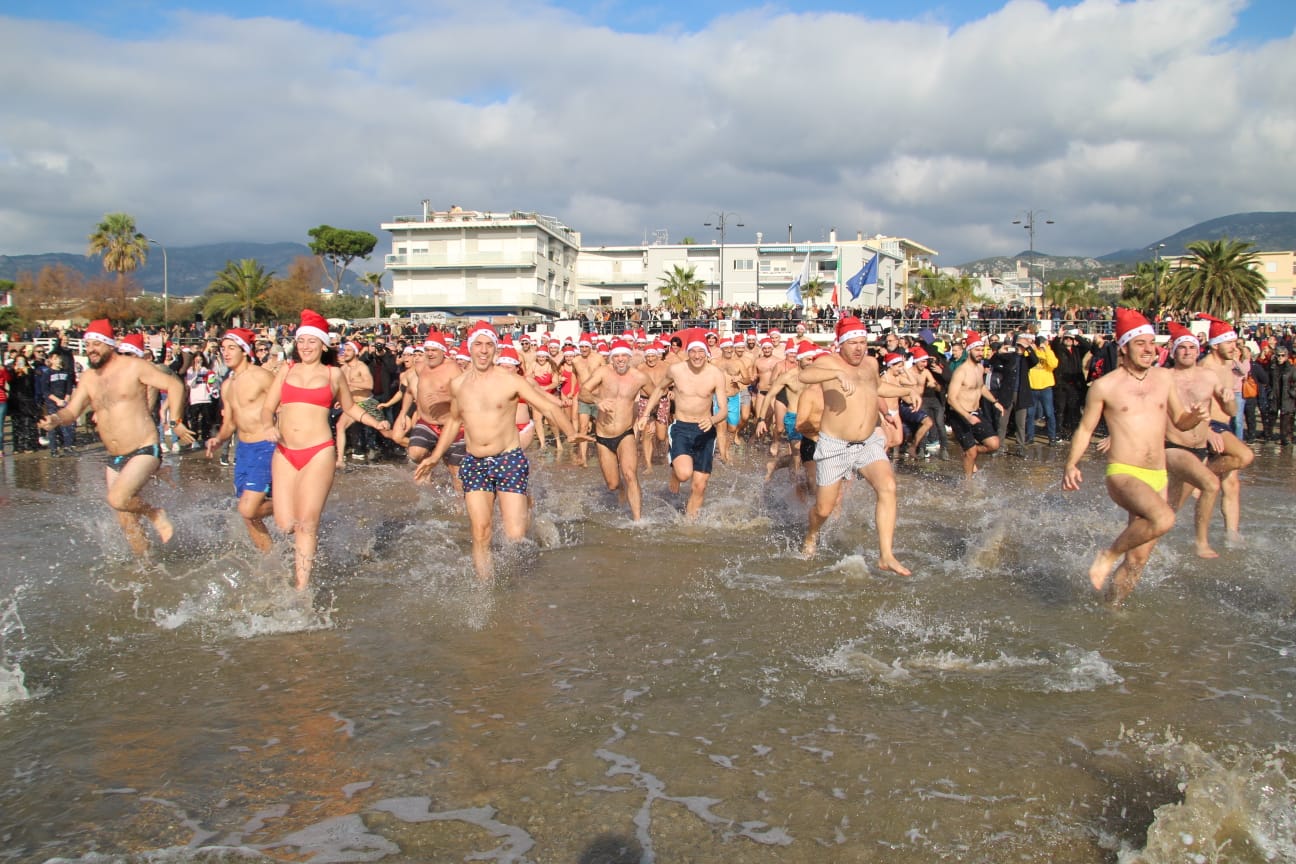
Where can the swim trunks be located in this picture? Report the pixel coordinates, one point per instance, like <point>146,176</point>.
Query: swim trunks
<point>504,472</point>
<point>968,434</point>
<point>614,441</point>
<point>1220,426</point>
<point>734,406</point>
<point>252,467</point>
<point>116,462</point>
<point>807,449</point>
<point>663,408</point>
<point>589,409</point>
<point>836,459</point>
<point>1156,478</point>
<point>688,439</point>
<point>789,426</point>
<point>426,435</point>
<point>912,418</point>
<point>1202,453</point>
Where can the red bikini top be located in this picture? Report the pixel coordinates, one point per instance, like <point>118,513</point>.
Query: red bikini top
<point>321,396</point>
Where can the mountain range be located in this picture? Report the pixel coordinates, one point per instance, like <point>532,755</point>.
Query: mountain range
<point>190,269</point>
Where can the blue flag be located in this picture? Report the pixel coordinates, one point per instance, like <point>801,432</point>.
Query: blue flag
<point>867,275</point>
<point>794,290</point>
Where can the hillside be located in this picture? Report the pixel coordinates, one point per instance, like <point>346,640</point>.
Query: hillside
<point>190,269</point>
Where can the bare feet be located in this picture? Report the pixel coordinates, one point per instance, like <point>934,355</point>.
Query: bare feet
<point>810,547</point>
<point>1204,550</point>
<point>1100,569</point>
<point>162,524</point>
<point>891,564</point>
<point>674,484</point>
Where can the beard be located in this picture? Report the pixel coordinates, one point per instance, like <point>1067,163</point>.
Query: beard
<point>100,362</point>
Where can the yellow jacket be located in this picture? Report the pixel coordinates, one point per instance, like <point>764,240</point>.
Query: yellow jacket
<point>1041,374</point>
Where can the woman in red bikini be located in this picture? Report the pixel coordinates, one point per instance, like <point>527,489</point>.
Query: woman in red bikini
<point>544,377</point>
<point>302,468</point>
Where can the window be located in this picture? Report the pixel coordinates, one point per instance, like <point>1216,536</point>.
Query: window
<point>744,264</point>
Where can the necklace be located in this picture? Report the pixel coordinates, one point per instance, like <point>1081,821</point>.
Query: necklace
<point>1146,372</point>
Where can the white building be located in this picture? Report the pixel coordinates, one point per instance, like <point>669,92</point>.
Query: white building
<point>471,263</point>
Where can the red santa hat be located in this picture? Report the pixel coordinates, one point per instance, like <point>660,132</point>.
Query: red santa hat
<point>641,338</point>
<point>655,348</point>
<point>434,341</point>
<point>314,324</point>
<point>892,359</point>
<point>542,350</point>
<point>1220,331</point>
<point>480,329</point>
<point>751,335</point>
<point>1180,334</point>
<point>508,356</point>
<point>919,354</point>
<point>242,337</point>
<point>132,344</point>
<point>767,341</point>
<point>620,346</point>
<point>695,337</point>
<point>1131,324</point>
<point>807,349</point>
<point>587,339</point>
<point>101,331</point>
<point>850,327</point>
<point>972,339</point>
<point>726,342</point>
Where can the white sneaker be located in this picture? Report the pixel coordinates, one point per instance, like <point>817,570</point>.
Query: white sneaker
<point>44,442</point>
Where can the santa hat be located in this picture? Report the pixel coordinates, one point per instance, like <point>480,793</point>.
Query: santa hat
<point>774,333</point>
<point>407,351</point>
<point>525,337</point>
<point>482,328</point>
<point>726,342</point>
<point>850,327</point>
<point>434,341</point>
<point>508,356</point>
<point>349,344</point>
<point>1180,334</point>
<point>751,335</point>
<point>542,350</point>
<point>789,347</point>
<point>655,348</point>
<point>766,341</point>
<point>242,337</point>
<point>918,353</point>
<point>1220,331</point>
<point>506,339</point>
<point>587,339</point>
<point>620,346</point>
<point>101,331</point>
<point>695,337</point>
<point>314,324</point>
<point>1131,324</point>
<point>131,343</point>
<point>892,359</point>
<point>972,339</point>
<point>807,349</point>
<point>642,337</point>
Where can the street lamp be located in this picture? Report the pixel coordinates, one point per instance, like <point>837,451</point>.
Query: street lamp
<point>1029,224</point>
<point>166,319</point>
<point>1156,280</point>
<point>721,223</point>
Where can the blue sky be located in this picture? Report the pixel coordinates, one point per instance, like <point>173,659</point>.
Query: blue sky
<point>943,122</point>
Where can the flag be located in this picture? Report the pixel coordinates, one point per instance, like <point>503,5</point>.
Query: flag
<point>868,275</point>
<point>794,290</point>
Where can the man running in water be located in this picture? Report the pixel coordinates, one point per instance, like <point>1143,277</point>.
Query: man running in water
<point>615,387</point>
<point>116,386</point>
<point>1136,400</point>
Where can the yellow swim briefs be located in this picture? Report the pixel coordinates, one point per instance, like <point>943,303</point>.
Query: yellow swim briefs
<point>1156,478</point>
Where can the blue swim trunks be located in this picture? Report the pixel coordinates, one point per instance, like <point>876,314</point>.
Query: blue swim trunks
<point>504,472</point>
<point>688,439</point>
<point>735,409</point>
<point>252,467</point>
<point>789,426</point>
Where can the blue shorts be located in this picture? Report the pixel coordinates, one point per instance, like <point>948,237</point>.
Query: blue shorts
<point>735,409</point>
<point>504,472</point>
<point>789,426</point>
<point>687,439</point>
<point>1220,427</point>
<point>252,467</point>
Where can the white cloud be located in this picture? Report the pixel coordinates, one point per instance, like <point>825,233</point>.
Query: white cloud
<point>1125,121</point>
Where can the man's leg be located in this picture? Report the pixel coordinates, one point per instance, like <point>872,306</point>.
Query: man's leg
<point>123,496</point>
<point>880,476</point>
<point>1149,518</point>
<point>481,509</point>
<point>1187,470</point>
<point>628,457</point>
<point>254,507</point>
<point>825,501</point>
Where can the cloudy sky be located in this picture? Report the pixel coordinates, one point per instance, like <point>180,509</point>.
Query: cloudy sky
<point>216,120</point>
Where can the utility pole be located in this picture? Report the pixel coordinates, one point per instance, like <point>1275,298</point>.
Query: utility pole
<point>1028,222</point>
<point>721,222</point>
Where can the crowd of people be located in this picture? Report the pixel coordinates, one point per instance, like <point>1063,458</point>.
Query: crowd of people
<point>299,400</point>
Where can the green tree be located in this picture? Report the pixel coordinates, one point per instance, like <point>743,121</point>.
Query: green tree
<point>813,290</point>
<point>1221,278</point>
<point>374,281</point>
<point>1149,280</point>
<point>345,306</point>
<point>240,289</point>
<point>123,248</point>
<point>340,247</point>
<point>944,291</point>
<point>681,290</point>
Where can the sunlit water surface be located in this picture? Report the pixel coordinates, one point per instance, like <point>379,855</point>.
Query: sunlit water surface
<point>653,692</point>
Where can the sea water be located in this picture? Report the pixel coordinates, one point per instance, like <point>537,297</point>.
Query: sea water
<point>662,691</point>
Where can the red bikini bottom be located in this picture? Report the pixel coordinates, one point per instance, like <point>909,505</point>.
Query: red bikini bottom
<point>299,458</point>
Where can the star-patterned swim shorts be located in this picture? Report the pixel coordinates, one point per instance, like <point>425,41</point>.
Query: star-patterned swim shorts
<point>504,472</point>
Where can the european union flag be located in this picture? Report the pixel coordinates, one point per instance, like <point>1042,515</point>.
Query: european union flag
<point>868,275</point>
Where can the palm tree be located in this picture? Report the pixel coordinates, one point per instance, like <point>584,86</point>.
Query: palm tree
<point>1221,279</point>
<point>1147,284</point>
<point>681,290</point>
<point>374,281</point>
<point>813,289</point>
<point>124,249</point>
<point>240,288</point>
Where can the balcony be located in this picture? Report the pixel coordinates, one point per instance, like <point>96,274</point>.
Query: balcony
<point>478,261</point>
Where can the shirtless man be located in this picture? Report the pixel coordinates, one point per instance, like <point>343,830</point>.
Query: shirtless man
<point>361,382</point>
<point>975,434</point>
<point>767,369</point>
<point>849,437</point>
<point>736,381</point>
<point>656,423</point>
<point>241,396</point>
<point>615,386</point>
<point>585,364</point>
<point>1136,400</point>
<point>483,403</point>
<point>1187,453</point>
<point>429,392</point>
<point>788,384</point>
<point>116,386</point>
<point>1222,362</point>
<point>747,397</point>
<point>909,420</point>
<point>698,387</point>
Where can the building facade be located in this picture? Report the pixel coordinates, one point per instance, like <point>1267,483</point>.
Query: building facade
<point>472,263</point>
